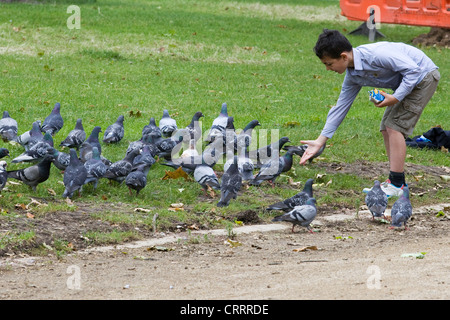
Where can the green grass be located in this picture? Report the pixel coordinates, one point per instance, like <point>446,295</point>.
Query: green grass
<point>186,56</point>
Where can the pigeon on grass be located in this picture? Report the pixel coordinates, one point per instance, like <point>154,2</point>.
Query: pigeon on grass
<point>167,125</point>
<point>115,132</point>
<point>74,176</point>
<point>35,174</point>
<point>231,184</point>
<point>54,121</point>
<point>8,127</point>
<point>3,174</point>
<point>300,215</point>
<point>75,137</point>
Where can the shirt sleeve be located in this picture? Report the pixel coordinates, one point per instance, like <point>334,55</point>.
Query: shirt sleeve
<point>403,64</point>
<point>338,112</point>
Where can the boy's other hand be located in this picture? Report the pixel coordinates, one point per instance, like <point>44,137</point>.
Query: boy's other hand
<point>389,100</point>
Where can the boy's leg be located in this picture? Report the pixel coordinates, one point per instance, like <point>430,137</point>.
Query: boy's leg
<point>398,123</point>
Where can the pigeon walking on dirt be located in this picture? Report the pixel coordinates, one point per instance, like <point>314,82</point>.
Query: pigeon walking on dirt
<point>401,210</point>
<point>75,137</point>
<point>271,170</point>
<point>300,215</point>
<point>8,127</point>
<point>167,125</point>
<point>33,175</point>
<point>298,199</point>
<point>376,200</point>
<point>231,184</point>
<point>136,179</point>
<point>54,121</point>
<point>95,167</point>
<point>3,174</point>
<point>115,132</point>
<point>74,176</point>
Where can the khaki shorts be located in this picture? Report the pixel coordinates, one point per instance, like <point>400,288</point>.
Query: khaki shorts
<point>404,115</point>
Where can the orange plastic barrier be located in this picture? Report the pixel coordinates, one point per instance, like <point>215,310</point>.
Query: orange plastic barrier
<point>428,13</point>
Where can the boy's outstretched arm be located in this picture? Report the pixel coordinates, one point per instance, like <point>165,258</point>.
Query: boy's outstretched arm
<point>313,147</point>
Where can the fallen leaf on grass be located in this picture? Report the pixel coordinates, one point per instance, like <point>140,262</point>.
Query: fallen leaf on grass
<point>142,210</point>
<point>30,215</point>
<point>233,243</point>
<point>178,173</point>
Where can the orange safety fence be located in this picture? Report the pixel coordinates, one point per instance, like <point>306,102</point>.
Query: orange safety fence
<point>428,13</point>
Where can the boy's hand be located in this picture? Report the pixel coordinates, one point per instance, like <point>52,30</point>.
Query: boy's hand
<point>389,100</point>
<point>313,147</point>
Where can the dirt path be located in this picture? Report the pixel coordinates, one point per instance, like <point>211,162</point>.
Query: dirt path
<point>347,258</point>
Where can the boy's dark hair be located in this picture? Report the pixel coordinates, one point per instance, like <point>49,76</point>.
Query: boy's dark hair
<point>331,43</point>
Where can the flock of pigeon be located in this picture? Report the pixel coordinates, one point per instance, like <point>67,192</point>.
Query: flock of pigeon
<point>174,147</point>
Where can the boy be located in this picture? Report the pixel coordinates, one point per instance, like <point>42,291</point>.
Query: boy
<point>397,66</point>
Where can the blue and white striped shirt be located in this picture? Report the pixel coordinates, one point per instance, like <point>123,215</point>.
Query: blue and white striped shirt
<point>388,65</point>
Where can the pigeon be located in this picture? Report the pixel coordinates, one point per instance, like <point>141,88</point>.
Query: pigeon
<point>272,169</point>
<point>60,159</point>
<point>95,167</point>
<point>219,124</point>
<point>264,154</point>
<point>376,200</point>
<point>167,125</point>
<point>298,199</point>
<point>54,121</point>
<point>91,141</point>
<point>8,127</point>
<point>300,215</point>
<point>136,179</point>
<point>75,137</point>
<point>206,177</point>
<point>3,174</point>
<point>170,146</point>
<point>115,132</point>
<point>401,210</point>
<point>74,176</point>
<point>4,153</point>
<point>35,174</point>
<point>194,128</point>
<point>151,128</point>
<point>145,159</point>
<point>231,184</point>
<point>31,137</point>
<point>299,150</point>
<point>119,170</point>
<point>244,138</point>
<point>245,166</point>
<point>36,152</point>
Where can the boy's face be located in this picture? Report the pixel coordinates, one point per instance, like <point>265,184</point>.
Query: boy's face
<point>337,65</point>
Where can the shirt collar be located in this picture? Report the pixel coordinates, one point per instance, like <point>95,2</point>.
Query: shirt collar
<point>357,64</point>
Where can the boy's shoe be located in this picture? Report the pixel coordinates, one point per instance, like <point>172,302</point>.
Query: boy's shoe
<point>389,189</point>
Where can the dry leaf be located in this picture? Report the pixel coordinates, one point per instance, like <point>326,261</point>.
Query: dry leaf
<point>20,206</point>
<point>179,173</point>
<point>51,191</point>
<point>69,202</point>
<point>30,215</point>
<point>305,249</point>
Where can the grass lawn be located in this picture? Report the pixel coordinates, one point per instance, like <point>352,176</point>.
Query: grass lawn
<point>138,57</point>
